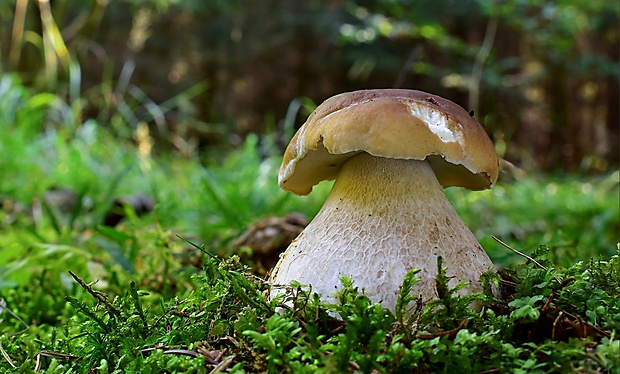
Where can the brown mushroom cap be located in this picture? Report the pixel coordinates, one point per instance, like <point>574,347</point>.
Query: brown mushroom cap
<point>391,123</point>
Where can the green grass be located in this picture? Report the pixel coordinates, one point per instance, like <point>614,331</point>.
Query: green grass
<point>152,301</point>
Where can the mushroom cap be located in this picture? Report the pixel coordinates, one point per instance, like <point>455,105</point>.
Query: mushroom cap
<point>391,123</point>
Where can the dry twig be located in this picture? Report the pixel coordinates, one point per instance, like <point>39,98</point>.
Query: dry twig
<point>101,297</point>
<point>443,333</point>
<point>7,357</point>
<point>517,252</point>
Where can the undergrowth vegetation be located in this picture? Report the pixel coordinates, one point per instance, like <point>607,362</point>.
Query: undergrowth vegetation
<point>118,259</point>
<point>549,320</point>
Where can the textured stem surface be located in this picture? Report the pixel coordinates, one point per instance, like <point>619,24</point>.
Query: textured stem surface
<point>383,218</point>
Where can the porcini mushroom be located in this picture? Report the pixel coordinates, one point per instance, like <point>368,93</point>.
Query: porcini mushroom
<point>391,152</point>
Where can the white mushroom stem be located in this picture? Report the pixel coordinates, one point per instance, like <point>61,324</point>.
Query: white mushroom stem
<point>383,218</point>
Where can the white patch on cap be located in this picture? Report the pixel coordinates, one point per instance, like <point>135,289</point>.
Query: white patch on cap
<point>437,122</point>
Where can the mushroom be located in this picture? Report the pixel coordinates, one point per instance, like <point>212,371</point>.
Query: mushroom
<point>391,152</point>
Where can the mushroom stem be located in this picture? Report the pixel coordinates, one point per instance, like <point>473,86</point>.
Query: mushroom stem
<point>383,218</point>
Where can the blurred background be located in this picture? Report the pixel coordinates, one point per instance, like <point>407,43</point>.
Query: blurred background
<point>199,76</point>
